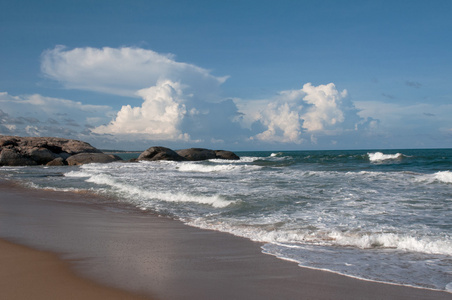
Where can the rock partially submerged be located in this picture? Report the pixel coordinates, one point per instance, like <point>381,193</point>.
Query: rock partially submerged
<point>223,154</point>
<point>192,154</point>
<point>87,158</point>
<point>195,154</point>
<point>29,151</point>
<point>160,153</point>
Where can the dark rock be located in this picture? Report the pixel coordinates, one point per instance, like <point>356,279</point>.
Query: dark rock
<point>10,157</point>
<point>222,154</point>
<point>25,151</point>
<point>8,142</point>
<point>160,153</point>
<point>195,154</point>
<point>87,158</point>
<point>41,155</point>
<point>59,161</point>
<point>192,154</point>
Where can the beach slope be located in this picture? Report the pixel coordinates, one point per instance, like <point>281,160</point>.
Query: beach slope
<point>139,252</point>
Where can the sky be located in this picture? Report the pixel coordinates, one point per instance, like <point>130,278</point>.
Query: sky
<point>234,75</point>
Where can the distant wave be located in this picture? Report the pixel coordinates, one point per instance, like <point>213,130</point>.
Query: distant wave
<point>276,154</point>
<point>379,156</point>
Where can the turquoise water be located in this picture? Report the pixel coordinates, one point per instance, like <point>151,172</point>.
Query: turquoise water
<point>379,215</point>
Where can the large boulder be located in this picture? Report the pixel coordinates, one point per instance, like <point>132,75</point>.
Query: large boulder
<point>160,153</point>
<point>222,154</point>
<point>10,157</point>
<point>87,158</point>
<point>40,155</point>
<point>195,154</point>
<point>59,161</point>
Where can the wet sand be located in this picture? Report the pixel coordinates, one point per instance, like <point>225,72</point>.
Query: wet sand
<point>32,274</point>
<point>164,259</point>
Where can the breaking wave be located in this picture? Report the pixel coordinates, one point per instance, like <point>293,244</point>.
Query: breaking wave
<point>143,197</point>
<point>442,176</point>
<point>334,238</point>
<point>380,156</point>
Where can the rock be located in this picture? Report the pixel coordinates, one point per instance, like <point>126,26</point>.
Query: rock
<point>87,158</point>
<point>160,153</point>
<point>10,157</point>
<point>41,155</point>
<point>195,154</point>
<point>192,154</point>
<point>8,142</point>
<point>222,154</point>
<point>26,151</point>
<point>59,161</point>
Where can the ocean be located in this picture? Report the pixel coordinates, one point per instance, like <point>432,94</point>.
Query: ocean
<point>381,215</point>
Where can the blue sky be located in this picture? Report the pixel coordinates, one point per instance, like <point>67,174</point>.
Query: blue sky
<point>239,75</point>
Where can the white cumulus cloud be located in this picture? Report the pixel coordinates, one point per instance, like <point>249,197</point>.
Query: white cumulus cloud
<point>158,118</point>
<point>325,107</point>
<point>296,113</point>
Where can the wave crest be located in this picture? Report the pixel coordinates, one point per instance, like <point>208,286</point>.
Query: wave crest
<point>380,156</point>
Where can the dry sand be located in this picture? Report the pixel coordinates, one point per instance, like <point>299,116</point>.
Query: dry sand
<point>154,256</point>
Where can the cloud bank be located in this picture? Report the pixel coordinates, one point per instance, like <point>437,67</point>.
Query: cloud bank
<point>36,115</point>
<point>181,104</point>
<point>122,71</point>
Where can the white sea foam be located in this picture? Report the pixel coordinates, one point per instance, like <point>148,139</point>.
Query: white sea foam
<point>394,241</point>
<point>362,241</point>
<point>144,196</point>
<point>248,159</point>
<point>444,176</point>
<point>379,156</point>
<point>77,174</point>
<point>194,167</point>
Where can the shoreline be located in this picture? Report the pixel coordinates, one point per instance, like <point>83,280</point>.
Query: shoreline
<point>163,258</point>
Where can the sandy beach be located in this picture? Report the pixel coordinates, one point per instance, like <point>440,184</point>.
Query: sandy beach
<point>32,274</point>
<point>86,247</point>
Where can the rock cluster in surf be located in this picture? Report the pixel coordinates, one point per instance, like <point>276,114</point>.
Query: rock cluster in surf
<point>192,154</point>
<point>51,151</point>
<point>29,151</point>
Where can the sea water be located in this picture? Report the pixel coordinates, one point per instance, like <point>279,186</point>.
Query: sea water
<point>376,215</point>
